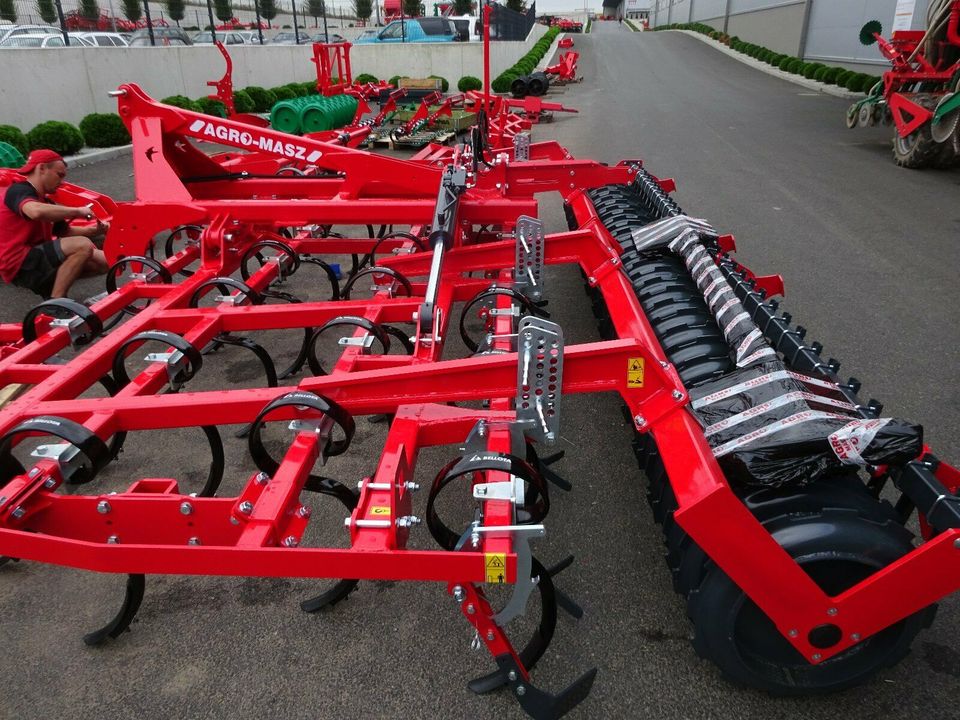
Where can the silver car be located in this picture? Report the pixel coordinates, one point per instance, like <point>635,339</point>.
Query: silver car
<point>33,41</point>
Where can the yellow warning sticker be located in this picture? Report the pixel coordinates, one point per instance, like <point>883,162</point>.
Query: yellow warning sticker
<point>635,368</point>
<point>496,565</point>
<point>380,510</point>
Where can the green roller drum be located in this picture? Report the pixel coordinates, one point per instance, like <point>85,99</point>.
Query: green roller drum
<point>285,115</point>
<point>327,113</point>
<point>10,157</point>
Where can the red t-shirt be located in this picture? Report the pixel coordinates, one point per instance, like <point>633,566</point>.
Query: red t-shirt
<point>18,233</point>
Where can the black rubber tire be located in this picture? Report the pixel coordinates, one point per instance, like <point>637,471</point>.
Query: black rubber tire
<point>838,549</point>
<point>518,88</point>
<point>917,150</point>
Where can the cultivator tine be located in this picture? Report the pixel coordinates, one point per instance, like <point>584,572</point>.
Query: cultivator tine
<point>133,596</point>
<point>563,600</point>
<point>543,465</point>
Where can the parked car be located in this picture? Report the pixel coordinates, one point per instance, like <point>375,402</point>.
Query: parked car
<point>367,34</point>
<point>7,31</point>
<point>227,37</point>
<point>251,37</point>
<point>164,37</point>
<point>333,38</point>
<point>423,29</point>
<point>101,39</point>
<point>287,37</point>
<point>33,41</point>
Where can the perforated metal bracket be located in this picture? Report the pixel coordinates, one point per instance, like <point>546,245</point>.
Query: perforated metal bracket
<point>520,536</point>
<point>364,341</point>
<point>75,326</point>
<point>322,427</point>
<point>521,147</point>
<point>511,491</point>
<point>528,270</point>
<point>540,378</point>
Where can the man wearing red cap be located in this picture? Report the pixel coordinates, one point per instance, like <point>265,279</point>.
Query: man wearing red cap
<point>39,249</point>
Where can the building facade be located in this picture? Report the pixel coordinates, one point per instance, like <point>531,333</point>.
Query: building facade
<point>817,30</point>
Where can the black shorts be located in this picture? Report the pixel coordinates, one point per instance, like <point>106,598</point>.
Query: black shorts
<point>39,268</point>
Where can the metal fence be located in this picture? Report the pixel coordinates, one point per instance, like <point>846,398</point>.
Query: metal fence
<point>304,18</point>
<point>506,24</point>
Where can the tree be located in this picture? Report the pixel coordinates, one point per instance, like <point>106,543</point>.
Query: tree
<point>463,7</point>
<point>315,9</point>
<point>223,9</point>
<point>517,5</point>
<point>89,9</point>
<point>176,9</point>
<point>47,11</point>
<point>8,11</point>
<point>363,9</point>
<point>132,10</point>
<point>412,8</point>
<point>268,10</point>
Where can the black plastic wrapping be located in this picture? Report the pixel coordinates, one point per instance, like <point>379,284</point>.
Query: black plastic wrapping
<point>771,427</point>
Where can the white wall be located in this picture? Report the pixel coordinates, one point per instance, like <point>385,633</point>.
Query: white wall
<point>69,83</point>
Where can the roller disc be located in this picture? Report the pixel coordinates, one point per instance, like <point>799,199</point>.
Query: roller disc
<point>852,116</point>
<point>942,129</point>
<point>868,30</point>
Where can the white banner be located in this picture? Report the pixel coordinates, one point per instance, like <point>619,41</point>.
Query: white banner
<point>903,17</point>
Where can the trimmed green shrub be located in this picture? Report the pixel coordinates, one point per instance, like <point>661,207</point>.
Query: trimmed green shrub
<point>181,101</point>
<point>210,106</point>
<point>262,98</point>
<point>830,76</point>
<point>395,80</point>
<point>842,77</point>
<point>364,78</point>
<point>309,87</point>
<point>282,93</point>
<point>13,136</point>
<point>821,71</point>
<point>795,65</point>
<point>469,82</point>
<point>242,102</point>
<point>855,82</point>
<point>104,130</point>
<point>296,88</point>
<point>784,62</point>
<point>868,83</point>
<point>444,84</point>
<point>61,137</point>
<point>501,83</point>
<point>810,69</point>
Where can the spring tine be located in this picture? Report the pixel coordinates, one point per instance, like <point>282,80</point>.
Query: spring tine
<point>132,598</point>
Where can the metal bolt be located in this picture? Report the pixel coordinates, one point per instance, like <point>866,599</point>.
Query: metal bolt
<point>664,364</point>
<point>832,611</point>
<point>591,279</point>
<point>855,637</point>
<point>511,676</point>
<point>103,507</point>
<point>246,507</point>
<point>458,594</point>
<point>290,541</point>
<point>262,478</point>
<point>816,656</point>
<point>490,635</point>
<point>234,521</point>
<point>471,609</point>
<point>34,472</point>
<point>186,508</point>
<point>408,521</point>
<point>521,690</point>
<point>304,511</point>
<point>113,540</point>
<point>49,483</point>
<point>18,512</point>
<point>640,420</point>
<point>793,633</point>
<point>956,544</point>
<point>193,541</point>
<point>677,395</point>
<point>481,491</point>
<point>412,486</point>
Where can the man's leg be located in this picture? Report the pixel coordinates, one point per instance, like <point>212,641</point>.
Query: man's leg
<point>77,251</point>
<point>96,265</point>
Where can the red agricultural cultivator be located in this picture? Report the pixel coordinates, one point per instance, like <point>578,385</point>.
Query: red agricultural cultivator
<point>765,469</point>
<point>920,94</point>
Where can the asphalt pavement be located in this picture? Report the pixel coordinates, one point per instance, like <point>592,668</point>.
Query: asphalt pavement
<point>868,253</point>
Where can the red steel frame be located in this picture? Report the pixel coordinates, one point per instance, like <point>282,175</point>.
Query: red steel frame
<point>38,524</point>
